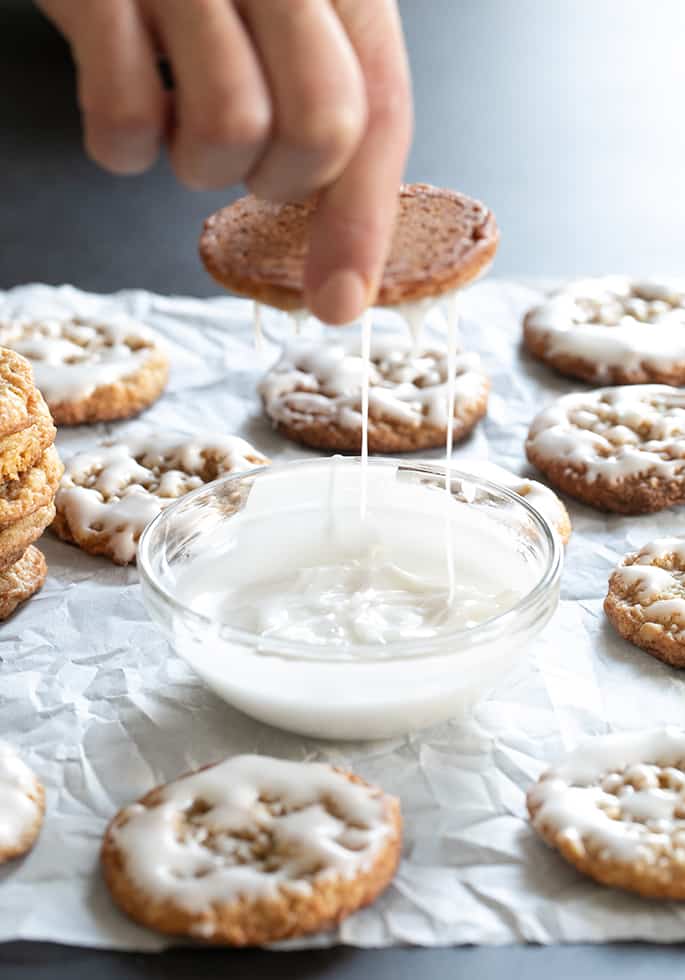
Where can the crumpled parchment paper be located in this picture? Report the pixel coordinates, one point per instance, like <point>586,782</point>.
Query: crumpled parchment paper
<point>102,709</point>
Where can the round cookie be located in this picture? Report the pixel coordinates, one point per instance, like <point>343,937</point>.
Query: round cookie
<point>30,490</point>
<point>109,494</point>
<point>442,240</point>
<point>22,805</point>
<point>617,449</point>
<point>313,395</point>
<point>16,388</point>
<point>615,809</point>
<point>646,599</point>
<point>612,330</point>
<point>88,370</point>
<point>19,582</point>
<point>20,450</point>
<point>252,850</point>
<point>16,538</point>
<point>537,494</point>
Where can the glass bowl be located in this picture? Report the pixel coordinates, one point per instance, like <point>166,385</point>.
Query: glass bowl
<point>240,525</point>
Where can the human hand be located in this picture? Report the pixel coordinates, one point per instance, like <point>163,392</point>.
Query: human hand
<point>289,96</point>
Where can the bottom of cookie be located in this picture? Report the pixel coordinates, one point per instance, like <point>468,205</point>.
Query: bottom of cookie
<point>21,580</point>
<point>384,438</point>
<point>631,496</point>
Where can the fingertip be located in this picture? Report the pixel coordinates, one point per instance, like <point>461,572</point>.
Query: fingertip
<point>124,154</point>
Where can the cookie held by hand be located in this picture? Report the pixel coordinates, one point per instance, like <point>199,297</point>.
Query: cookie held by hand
<point>443,240</point>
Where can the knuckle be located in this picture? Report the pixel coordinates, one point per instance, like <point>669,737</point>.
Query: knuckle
<point>328,132</point>
<point>242,124</point>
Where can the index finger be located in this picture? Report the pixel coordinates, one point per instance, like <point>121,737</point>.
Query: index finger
<point>352,227</point>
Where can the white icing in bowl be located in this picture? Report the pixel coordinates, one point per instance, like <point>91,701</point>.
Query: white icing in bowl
<point>207,562</point>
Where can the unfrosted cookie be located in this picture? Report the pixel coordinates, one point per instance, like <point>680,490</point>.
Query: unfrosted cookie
<point>30,490</point>
<point>646,599</point>
<point>615,808</point>
<point>537,494</point>
<point>617,449</point>
<point>20,450</point>
<point>16,538</point>
<point>313,395</point>
<point>89,370</point>
<point>442,240</point>
<point>612,330</point>
<point>109,494</point>
<point>22,805</point>
<point>252,850</point>
<point>19,582</point>
<point>16,388</point>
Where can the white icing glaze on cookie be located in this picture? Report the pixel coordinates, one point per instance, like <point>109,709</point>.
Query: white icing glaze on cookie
<point>72,357</point>
<point>615,432</point>
<point>659,590</point>
<point>623,793</point>
<point>118,488</point>
<point>614,322</point>
<point>324,382</point>
<point>306,821</point>
<point>18,812</point>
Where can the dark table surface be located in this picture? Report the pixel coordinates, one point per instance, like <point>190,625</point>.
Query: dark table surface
<point>566,117</point>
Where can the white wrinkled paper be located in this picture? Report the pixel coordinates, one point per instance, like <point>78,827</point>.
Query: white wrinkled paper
<point>102,709</point>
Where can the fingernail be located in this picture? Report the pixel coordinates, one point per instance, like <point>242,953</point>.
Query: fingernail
<point>341,298</point>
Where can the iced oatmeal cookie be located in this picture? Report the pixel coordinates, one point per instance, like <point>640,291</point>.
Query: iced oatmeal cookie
<point>646,599</point>
<point>616,449</point>
<point>612,330</point>
<point>537,494</point>
<point>615,809</point>
<point>313,395</point>
<point>22,805</point>
<point>109,494</point>
<point>88,370</point>
<point>252,850</point>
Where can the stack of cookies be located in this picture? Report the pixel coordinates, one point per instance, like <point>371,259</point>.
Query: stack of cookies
<point>30,470</point>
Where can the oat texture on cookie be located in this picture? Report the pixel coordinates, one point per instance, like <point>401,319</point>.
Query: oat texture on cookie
<point>646,599</point>
<point>90,370</point>
<point>109,494</point>
<point>617,449</point>
<point>252,850</point>
<point>313,395</point>
<point>22,804</point>
<point>615,809</point>
<point>612,330</point>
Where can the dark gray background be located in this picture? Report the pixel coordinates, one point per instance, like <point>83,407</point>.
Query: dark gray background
<point>566,116</point>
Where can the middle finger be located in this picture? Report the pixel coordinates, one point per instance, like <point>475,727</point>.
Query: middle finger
<point>317,91</point>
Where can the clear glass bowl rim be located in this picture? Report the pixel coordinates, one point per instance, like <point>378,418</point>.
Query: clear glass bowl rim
<point>442,645</point>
